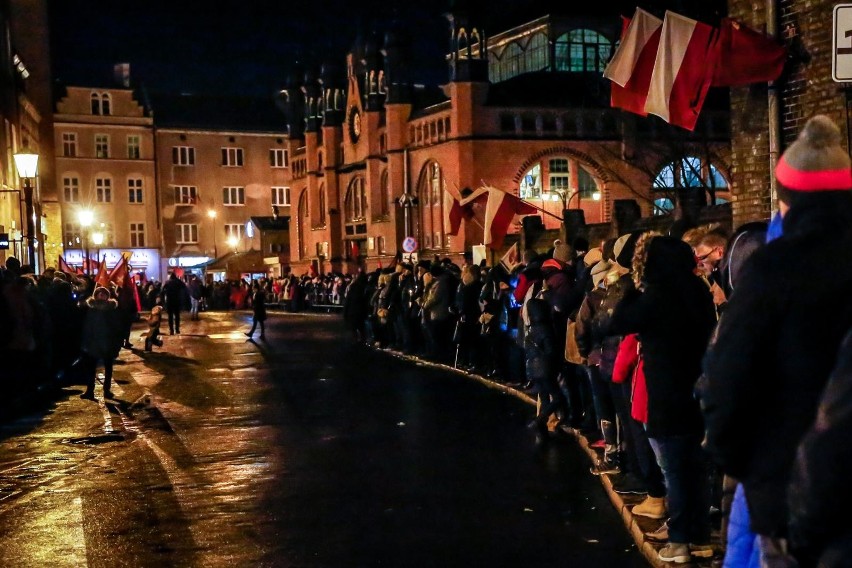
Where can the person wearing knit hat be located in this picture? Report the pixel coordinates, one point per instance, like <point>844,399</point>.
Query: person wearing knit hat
<point>780,334</point>
<point>100,339</point>
<point>599,272</point>
<point>562,252</point>
<point>624,248</point>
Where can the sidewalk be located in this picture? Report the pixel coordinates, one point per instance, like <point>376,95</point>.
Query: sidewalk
<point>637,526</point>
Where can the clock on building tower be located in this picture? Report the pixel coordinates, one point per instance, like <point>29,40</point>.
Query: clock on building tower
<point>354,124</point>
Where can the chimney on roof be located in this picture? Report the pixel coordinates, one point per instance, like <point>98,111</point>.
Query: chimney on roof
<point>121,73</point>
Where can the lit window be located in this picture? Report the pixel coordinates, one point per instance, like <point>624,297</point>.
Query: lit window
<point>531,183</point>
<point>582,50</point>
<point>559,176</point>
<point>73,235</point>
<point>663,206</point>
<point>134,144</point>
<point>101,146</point>
<point>186,195</point>
<point>234,230</point>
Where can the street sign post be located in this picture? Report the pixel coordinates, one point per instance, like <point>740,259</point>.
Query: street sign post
<point>841,44</point>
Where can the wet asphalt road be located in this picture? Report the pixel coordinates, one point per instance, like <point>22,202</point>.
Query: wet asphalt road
<point>303,450</point>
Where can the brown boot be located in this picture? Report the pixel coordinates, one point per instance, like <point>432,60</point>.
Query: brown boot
<point>651,507</point>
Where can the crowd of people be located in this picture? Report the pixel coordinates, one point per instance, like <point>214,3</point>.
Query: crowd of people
<point>709,369</point>
<point>698,363</point>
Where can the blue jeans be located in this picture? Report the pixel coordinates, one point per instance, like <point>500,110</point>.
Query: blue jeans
<point>683,465</point>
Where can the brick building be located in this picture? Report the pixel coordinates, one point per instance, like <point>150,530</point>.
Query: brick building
<point>526,111</point>
<point>805,89</point>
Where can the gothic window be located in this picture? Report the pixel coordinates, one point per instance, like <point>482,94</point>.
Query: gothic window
<point>431,189</point>
<point>535,55</point>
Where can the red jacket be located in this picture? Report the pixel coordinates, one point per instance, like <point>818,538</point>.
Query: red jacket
<point>629,362</point>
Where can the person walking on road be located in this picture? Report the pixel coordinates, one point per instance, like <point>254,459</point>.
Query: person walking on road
<point>258,306</point>
<point>101,340</point>
<point>173,294</point>
<point>196,292</point>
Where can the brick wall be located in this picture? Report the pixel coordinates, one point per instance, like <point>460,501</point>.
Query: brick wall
<point>806,89</point>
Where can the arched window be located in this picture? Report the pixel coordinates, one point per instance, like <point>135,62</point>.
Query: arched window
<point>106,106</point>
<point>384,194</point>
<point>513,61</point>
<point>663,206</point>
<point>96,103</point>
<point>559,178</point>
<point>586,184</point>
<point>535,55</point>
<point>582,50</point>
<point>355,208</point>
<point>531,183</point>
<point>322,205</point>
<point>689,171</point>
<point>430,190</point>
<point>302,219</point>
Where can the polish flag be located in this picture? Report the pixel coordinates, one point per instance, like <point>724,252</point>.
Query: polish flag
<point>453,214</point>
<point>633,62</point>
<point>746,56</point>
<point>501,208</point>
<point>682,72</point>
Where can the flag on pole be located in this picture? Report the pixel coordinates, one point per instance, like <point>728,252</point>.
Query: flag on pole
<point>633,62</point>
<point>452,214</point>
<point>746,56</point>
<point>119,272</point>
<point>64,267</point>
<point>102,278</point>
<point>511,259</point>
<point>682,71</point>
<point>500,209</point>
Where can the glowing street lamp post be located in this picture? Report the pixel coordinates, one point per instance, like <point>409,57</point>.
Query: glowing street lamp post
<point>26,163</point>
<point>212,214</point>
<point>98,239</point>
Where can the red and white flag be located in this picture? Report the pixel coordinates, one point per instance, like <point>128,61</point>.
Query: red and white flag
<point>453,214</point>
<point>511,259</point>
<point>501,208</point>
<point>102,278</point>
<point>120,271</point>
<point>633,62</point>
<point>746,56</point>
<point>682,72</point>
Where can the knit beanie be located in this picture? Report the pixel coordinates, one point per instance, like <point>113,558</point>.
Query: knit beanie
<point>624,248</point>
<point>599,272</point>
<point>100,290</point>
<point>816,161</point>
<point>562,252</point>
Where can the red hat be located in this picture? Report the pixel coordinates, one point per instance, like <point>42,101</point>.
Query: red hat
<point>816,161</point>
<point>551,263</point>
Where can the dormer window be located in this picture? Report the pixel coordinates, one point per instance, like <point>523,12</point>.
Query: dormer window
<point>101,104</point>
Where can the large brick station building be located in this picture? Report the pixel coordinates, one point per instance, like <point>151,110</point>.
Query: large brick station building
<point>526,111</point>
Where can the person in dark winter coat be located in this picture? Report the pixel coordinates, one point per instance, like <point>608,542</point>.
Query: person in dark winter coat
<point>258,307</point>
<point>101,339</point>
<point>674,316</point>
<point>355,307</point>
<point>780,332</point>
<point>174,292</point>
<point>542,364</point>
<point>468,311</point>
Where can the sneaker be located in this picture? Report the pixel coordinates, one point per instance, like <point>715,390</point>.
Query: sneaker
<point>628,485</point>
<point>701,550</point>
<point>675,552</point>
<point>651,507</point>
<point>604,466</point>
<point>659,535</point>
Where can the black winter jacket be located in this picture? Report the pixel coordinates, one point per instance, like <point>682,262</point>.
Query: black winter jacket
<point>775,346</point>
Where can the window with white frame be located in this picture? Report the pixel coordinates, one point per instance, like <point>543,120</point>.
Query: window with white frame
<point>71,189</point>
<point>234,196</point>
<point>281,196</point>
<point>234,230</point>
<point>134,147</point>
<point>134,190</point>
<point>232,157</point>
<point>103,190</point>
<point>101,104</point>
<point>559,176</point>
<point>101,146</point>
<point>187,233</point>
<point>531,183</point>
<point>137,235</point>
<point>183,155</point>
<point>279,158</point>
<point>109,235</point>
<point>186,195</point>
<point>72,237</point>
<point>69,144</point>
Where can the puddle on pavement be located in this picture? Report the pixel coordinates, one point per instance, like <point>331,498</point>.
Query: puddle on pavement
<point>99,439</point>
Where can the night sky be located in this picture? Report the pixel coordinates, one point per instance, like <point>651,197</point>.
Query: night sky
<point>227,46</point>
<point>248,46</point>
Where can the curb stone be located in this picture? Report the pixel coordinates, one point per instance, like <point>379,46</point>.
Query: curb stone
<point>636,526</point>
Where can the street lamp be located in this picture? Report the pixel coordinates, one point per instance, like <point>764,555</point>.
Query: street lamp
<point>212,214</point>
<point>26,163</point>
<point>86,217</point>
<point>233,242</point>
